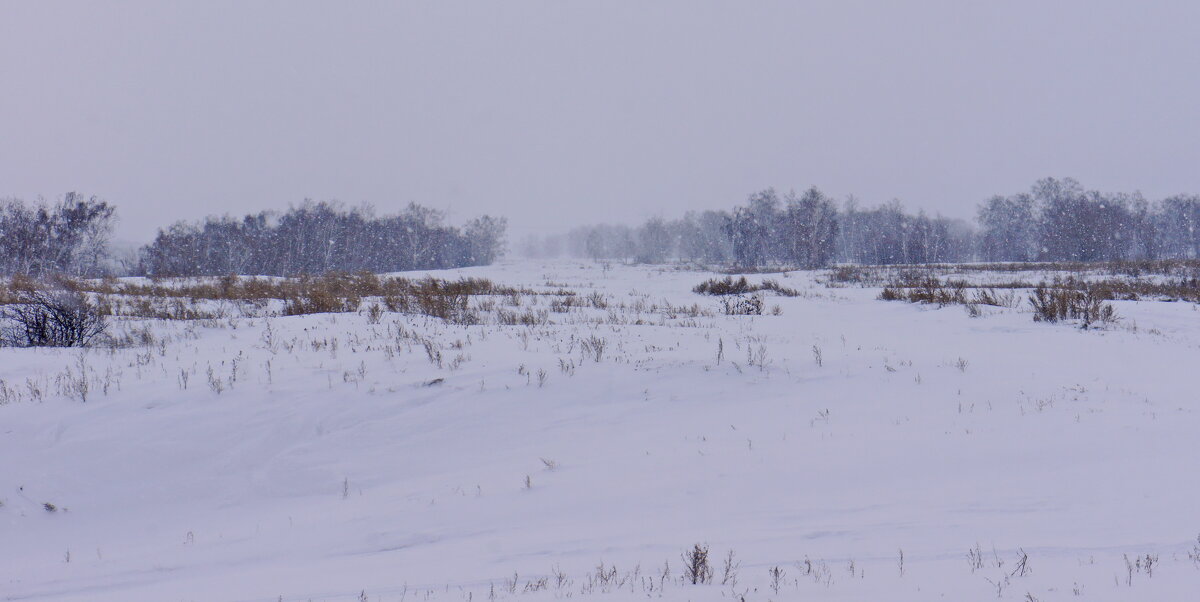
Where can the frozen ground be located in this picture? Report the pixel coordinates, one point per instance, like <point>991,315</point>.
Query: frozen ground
<point>318,458</point>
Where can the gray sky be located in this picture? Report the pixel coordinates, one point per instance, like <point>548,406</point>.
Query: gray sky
<point>560,112</point>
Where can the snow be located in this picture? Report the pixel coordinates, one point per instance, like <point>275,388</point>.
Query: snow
<point>332,470</point>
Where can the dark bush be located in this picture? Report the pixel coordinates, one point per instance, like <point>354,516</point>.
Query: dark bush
<point>725,286</point>
<point>729,286</point>
<point>50,318</point>
<point>743,305</point>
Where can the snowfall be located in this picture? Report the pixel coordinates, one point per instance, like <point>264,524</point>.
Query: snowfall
<point>837,447</point>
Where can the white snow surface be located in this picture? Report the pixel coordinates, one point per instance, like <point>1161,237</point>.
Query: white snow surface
<point>328,468</point>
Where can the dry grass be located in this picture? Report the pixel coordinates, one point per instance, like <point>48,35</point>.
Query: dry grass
<point>1136,268</point>
<point>925,287</point>
<point>1054,305</point>
<point>741,286</point>
<point>1065,299</point>
<point>339,292</point>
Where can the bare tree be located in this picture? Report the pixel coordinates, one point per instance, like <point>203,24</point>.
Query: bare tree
<point>809,227</point>
<point>70,237</point>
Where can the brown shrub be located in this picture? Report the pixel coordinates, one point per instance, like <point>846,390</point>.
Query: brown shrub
<point>741,286</point>
<point>1053,305</point>
<point>725,286</point>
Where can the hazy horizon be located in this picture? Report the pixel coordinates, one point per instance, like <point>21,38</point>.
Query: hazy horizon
<point>556,114</point>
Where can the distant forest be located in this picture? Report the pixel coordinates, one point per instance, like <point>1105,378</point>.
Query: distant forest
<point>72,238</point>
<point>316,238</point>
<point>1057,220</point>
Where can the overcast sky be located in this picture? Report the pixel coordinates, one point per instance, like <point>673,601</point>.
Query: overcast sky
<point>557,112</point>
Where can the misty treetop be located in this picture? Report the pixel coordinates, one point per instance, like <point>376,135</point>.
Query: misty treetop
<point>69,237</point>
<point>804,230</point>
<point>320,237</point>
<point>1057,220</point>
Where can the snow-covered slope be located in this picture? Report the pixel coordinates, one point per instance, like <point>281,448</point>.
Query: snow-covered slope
<point>846,449</point>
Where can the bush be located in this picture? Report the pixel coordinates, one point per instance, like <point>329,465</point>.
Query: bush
<point>743,305</point>
<point>892,294</point>
<point>448,300</point>
<point>726,286</point>
<point>926,289</point>
<point>741,286</point>
<point>1053,305</point>
<point>696,568</point>
<point>51,318</point>
<point>848,274</point>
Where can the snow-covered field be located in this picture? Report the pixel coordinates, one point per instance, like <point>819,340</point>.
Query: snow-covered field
<point>845,449</point>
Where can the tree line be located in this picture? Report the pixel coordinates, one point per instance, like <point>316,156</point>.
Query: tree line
<point>1057,220</point>
<point>73,237</point>
<point>316,238</point>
